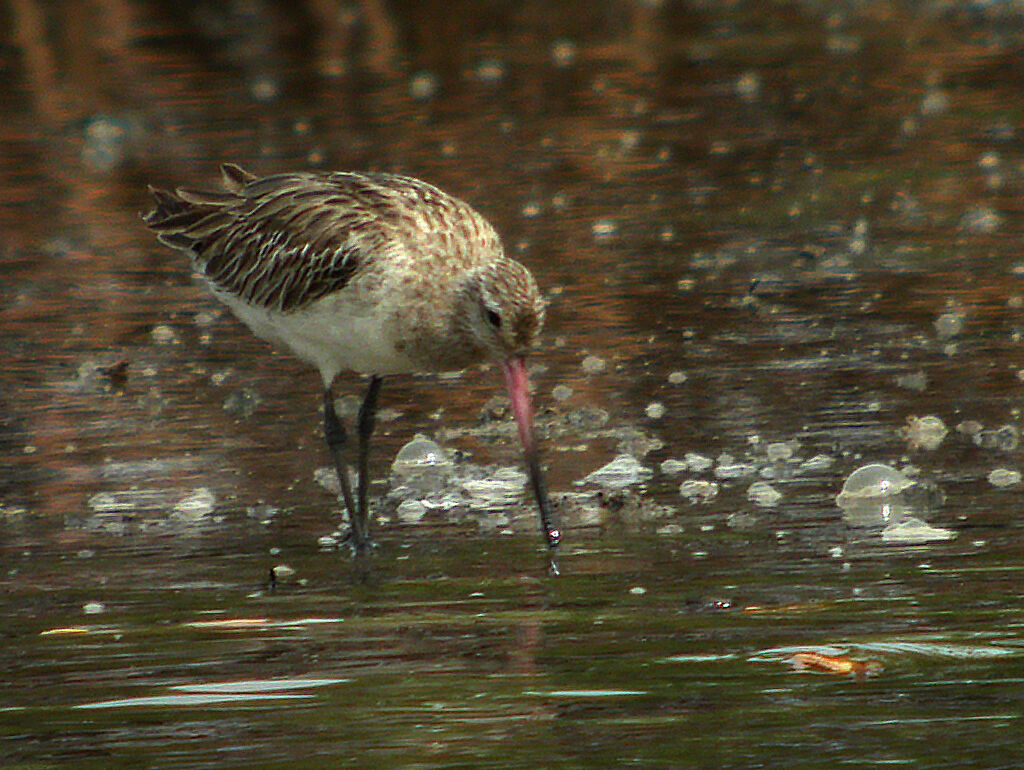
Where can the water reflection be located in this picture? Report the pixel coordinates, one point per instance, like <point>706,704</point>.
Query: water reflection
<point>780,244</point>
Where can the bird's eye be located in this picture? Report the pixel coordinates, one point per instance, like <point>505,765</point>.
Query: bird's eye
<point>493,318</point>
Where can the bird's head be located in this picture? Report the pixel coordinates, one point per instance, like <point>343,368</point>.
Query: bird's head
<point>503,311</point>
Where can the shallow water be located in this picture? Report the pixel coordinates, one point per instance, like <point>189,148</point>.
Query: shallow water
<point>773,240</point>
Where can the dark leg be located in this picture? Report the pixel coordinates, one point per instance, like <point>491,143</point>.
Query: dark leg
<point>365,425</point>
<point>336,441</point>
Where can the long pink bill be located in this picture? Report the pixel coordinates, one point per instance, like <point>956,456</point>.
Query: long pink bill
<point>519,392</point>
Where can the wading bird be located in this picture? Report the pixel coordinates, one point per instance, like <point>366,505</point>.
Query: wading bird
<point>373,273</point>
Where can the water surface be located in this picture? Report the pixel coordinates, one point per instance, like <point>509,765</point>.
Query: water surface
<point>773,240</point>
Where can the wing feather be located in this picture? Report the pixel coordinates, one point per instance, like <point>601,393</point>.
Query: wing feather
<point>281,241</point>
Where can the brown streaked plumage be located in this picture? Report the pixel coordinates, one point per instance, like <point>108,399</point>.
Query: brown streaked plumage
<point>374,273</point>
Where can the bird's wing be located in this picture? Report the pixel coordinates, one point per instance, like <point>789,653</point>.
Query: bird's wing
<point>280,241</point>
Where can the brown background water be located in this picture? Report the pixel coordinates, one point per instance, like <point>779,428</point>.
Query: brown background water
<point>813,210</point>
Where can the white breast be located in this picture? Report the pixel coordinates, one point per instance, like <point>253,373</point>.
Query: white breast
<point>333,334</point>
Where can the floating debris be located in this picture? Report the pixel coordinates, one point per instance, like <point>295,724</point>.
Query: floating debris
<point>697,462</point>
<point>623,471</point>
<point>411,511</point>
<point>532,209</point>
<point>162,334</point>
<point>265,88</point>
<point>598,508</point>
<point>327,477</point>
<point>934,101</point>
<point>672,467</point>
<point>908,209</point>
<point>655,410</point>
<point>859,238</point>
<point>604,229</point>
<point>764,494</point>
<point>1002,439</point>
<point>593,364</point>
<point>912,531</point>
<point>420,455</point>
<point>561,393</point>
<point>423,86</point>
<point>915,381</point>
<point>424,478</point>
<point>779,451</point>
<point>748,86</point>
<point>587,418</point>
<point>110,503</point>
<point>741,521</point>
<point>282,573</point>
<point>698,490</point>
<point>925,432</point>
<point>816,464</point>
<point>949,325</point>
<point>490,71</point>
<point>116,373</point>
<point>631,440</point>
<point>834,664</point>
<point>727,467</point>
<point>1004,477</point>
<point>115,512</point>
<point>563,53</point>
<point>66,631</point>
<point>970,428</point>
<point>584,694</point>
<point>243,403</point>
<point>195,506</point>
<point>990,164</point>
<point>843,44</point>
<point>328,542</point>
<point>107,142</point>
<point>874,480</point>
<point>262,512</point>
<point>873,496</point>
<point>981,220</point>
<point>500,489</point>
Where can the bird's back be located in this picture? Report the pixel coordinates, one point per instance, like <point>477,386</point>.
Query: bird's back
<point>283,241</point>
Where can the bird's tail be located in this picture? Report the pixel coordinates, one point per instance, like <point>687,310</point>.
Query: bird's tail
<point>183,217</point>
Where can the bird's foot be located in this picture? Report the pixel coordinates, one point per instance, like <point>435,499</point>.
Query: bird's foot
<point>361,546</point>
